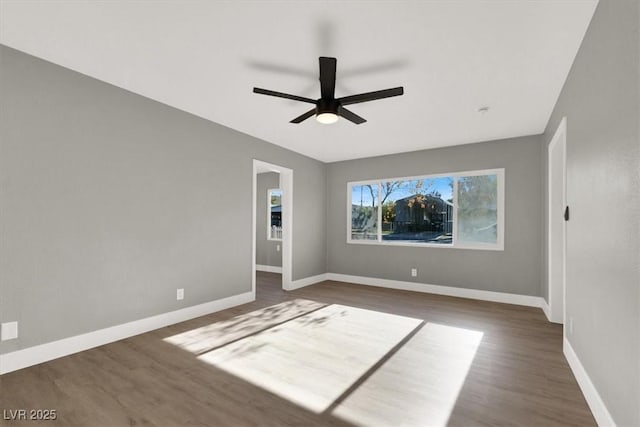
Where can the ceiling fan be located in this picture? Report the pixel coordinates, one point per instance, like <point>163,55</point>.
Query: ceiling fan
<point>327,107</point>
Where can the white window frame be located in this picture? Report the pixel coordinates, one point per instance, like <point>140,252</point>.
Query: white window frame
<point>498,246</point>
<point>269,191</point>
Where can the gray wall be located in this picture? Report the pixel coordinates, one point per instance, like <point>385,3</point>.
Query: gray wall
<point>266,250</point>
<point>111,201</point>
<point>600,100</point>
<point>515,270</point>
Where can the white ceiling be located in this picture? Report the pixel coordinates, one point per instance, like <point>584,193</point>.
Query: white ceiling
<point>204,57</point>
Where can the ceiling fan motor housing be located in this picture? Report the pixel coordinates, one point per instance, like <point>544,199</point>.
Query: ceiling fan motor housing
<point>327,106</point>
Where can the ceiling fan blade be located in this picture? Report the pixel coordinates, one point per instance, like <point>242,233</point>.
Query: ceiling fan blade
<point>351,116</point>
<point>304,117</point>
<point>282,95</point>
<point>327,77</point>
<point>371,96</point>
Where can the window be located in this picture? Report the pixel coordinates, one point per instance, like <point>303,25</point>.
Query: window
<point>459,210</point>
<point>364,214</point>
<point>274,214</point>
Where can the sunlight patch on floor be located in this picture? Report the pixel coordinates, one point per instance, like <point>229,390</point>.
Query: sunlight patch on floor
<point>419,384</point>
<point>313,359</point>
<point>208,337</point>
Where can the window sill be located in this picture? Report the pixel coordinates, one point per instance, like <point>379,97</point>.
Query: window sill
<point>485,247</point>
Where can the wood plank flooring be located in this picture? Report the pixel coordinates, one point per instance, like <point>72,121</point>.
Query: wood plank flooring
<point>437,360</point>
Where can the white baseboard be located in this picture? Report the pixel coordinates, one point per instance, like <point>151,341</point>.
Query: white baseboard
<point>42,353</point>
<point>301,283</point>
<point>597,406</point>
<point>269,268</point>
<point>527,300</point>
<point>545,308</point>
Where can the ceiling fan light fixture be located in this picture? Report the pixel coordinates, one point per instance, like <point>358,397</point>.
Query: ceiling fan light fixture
<point>327,118</point>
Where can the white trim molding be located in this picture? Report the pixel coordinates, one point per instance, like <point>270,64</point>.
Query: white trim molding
<point>269,268</point>
<point>503,297</point>
<point>545,308</point>
<point>307,281</point>
<point>286,186</point>
<point>597,406</point>
<point>24,358</point>
<point>557,291</point>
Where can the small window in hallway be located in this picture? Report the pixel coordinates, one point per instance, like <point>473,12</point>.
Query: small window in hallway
<point>274,214</point>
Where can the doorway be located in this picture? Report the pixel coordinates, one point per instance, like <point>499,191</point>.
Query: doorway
<point>278,238</point>
<point>557,202</point>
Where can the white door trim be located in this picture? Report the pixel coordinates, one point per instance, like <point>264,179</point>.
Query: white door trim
<point>556,307</point>
<point>286,185</point>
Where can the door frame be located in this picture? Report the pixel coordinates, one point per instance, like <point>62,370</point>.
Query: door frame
<point>557,308</point>
<point>286,185</point>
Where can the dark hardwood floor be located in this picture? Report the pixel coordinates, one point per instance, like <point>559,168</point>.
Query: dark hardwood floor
<point>395,354</point>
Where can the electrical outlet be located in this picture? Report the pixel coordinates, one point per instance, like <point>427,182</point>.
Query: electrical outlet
<point>9,331</point>
<point>414,272</point>
<point>278,248</point>
<point>570,325</point>
<point>180,294</point>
